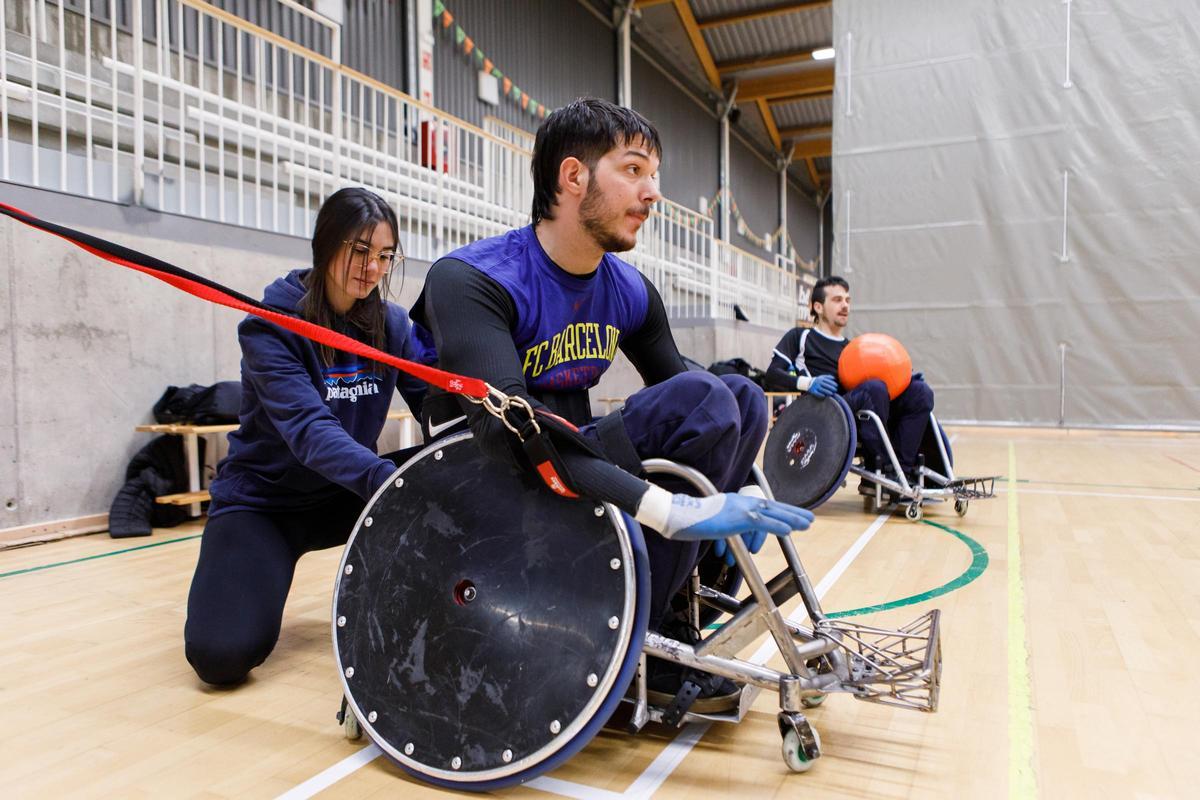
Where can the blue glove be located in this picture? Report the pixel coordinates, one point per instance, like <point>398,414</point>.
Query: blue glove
<point>754,542</point>
<point>723,515</point>
<point>823,386</point>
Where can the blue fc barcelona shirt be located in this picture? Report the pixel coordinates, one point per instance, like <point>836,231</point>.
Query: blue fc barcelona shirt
<point>568,329</point>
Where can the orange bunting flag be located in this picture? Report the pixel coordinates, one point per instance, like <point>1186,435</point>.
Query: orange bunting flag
<point>487,65</point>
<point>468,46</point>
<point>447,19</point>
<point>524,102</point>
<point>542,112</point>
<point>507,86</point>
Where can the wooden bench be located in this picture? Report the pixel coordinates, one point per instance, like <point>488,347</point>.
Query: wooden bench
<point>195,495</point>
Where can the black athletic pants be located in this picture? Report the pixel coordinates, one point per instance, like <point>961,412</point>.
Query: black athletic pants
<point>247,559</point>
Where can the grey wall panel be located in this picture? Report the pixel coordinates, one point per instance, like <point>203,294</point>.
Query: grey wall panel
<point>755,188</point>
<point>373,40</point>
<point>1004,222</point>
<point>553,49</point>
<point>690,135</point>
<point>803,223</point>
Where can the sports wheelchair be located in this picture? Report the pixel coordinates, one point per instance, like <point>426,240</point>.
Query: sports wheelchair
<point>485,629</point>
<point>812,448</point>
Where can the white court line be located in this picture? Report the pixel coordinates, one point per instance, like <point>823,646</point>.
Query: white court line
<point>579,791</point>
<point>324,780</point>
<point>660,768</point>
<point>1025,491</point>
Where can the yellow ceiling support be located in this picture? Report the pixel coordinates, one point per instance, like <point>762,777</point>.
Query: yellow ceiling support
<point>698,44</point>
<point>769,121</point>
<point>764,61</point>
<point>797,84</point>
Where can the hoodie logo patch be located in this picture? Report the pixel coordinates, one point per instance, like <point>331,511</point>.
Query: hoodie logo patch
<point>349,382</point>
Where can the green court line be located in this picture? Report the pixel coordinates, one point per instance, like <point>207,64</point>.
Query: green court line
<point>99,555</point>
<point>1022,781</point>
<point>979,562</point>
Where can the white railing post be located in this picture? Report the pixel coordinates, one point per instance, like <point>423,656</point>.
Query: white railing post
<point>336,112</point>
<point>139,106</point>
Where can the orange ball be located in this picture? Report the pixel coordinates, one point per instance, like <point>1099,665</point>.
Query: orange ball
<point>875,355</point>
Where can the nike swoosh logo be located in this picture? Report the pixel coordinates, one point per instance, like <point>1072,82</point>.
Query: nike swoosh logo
<point>434,430</point>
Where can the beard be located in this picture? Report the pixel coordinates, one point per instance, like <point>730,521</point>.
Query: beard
<point>601,223</point>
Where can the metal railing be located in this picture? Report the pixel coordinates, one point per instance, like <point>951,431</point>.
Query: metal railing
<point>214,117</point>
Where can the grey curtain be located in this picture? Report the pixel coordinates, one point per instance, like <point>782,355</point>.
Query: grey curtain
<point>1016,197</point>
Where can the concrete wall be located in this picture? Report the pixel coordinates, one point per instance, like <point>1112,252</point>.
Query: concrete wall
<point>87,347</point>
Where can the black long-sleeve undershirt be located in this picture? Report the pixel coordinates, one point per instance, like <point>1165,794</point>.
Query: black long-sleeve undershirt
<point>472,318</point>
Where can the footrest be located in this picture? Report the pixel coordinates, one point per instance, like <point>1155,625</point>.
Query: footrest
<point>973,488</point>
<point>893,667</point>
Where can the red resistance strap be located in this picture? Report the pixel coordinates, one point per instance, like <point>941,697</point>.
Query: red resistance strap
<point>537,444</point>
<point>221,295</point>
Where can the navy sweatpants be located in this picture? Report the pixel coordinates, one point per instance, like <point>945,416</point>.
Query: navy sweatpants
<point>904,418</point>
<point>713,424</point>
<point>247,560</point>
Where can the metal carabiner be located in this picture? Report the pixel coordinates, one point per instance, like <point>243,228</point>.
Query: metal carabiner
<point>497,403</point>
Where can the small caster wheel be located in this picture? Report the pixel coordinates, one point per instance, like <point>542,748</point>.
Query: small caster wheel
<point>960,507</point>
<point>801,743</point>
<point>813,700</point>
<point>351,728</point>
<point>348,721</point>
<point>913,512</point>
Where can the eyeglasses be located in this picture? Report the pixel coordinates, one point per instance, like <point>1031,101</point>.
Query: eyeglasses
<point>360,255</point>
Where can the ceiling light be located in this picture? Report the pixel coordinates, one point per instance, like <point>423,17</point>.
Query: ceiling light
<point>822,54</point>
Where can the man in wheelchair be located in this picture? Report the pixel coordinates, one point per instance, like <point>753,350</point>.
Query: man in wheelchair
<point>540,313</point>
<point>806,360</point>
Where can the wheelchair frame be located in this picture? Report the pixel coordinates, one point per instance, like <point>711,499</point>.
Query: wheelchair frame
<point>898,667</point>
<point>945,487</point>
<point>894,667</point>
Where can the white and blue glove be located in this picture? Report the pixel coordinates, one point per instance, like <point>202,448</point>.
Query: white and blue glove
<point>823,386</point>
<point>686,518</point>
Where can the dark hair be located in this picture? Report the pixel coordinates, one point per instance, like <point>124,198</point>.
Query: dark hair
<point>818,292</point>
<point>348,214</point>
<point>586,129</point>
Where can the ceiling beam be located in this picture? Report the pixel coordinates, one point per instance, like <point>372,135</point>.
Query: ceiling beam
<point>769,122</point>
<point>758,62</point>
<point>813,148</point>
<point>761,13</point>
<point>793,98</point>
<point>698,44</point>
<point>650,3</point>
<point>805,130</point>
<point>812,172</point>
<point>797,84</point>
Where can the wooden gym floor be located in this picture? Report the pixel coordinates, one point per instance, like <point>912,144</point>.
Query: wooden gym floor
<point>1070,657</point>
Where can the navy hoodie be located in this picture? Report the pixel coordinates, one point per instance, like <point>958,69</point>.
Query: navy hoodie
<point>308,430</point>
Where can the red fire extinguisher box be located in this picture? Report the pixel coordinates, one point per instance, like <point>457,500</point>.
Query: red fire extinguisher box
<point>435,145</point>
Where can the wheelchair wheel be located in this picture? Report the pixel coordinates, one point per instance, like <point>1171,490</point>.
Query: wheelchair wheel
<point>809,450</point>
<point>485,628</point>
